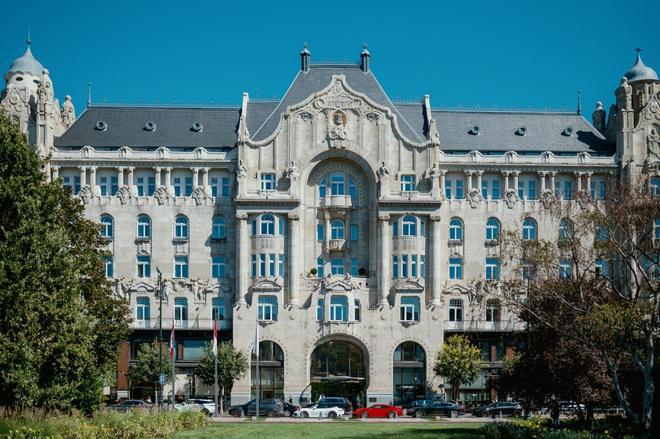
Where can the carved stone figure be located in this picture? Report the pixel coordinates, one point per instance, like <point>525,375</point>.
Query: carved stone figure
<point>68,113</point>
<point>241,175</point>
<point>199,195</point>
<point>384,179</point>
<point>124,194</point>
<point>624,93</point>
<point>474,198</point>
<point>293,173</point>
<point>510,198</point>
<point>583,199</point>
<point>653,146</point>
<point>337,135</point>
<point>162,195</point>
<point>121,288</point>
<point>547,199</point>
<point>86,194</point>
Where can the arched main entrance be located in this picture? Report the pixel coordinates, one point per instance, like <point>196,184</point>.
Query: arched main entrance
<point>338,368</point>
<point>409,373</point>
<point>271,371</point>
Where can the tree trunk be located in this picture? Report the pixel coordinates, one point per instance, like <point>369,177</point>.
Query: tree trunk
<point>222,397</point>
<point>611,369</point>
<point>649,385</point>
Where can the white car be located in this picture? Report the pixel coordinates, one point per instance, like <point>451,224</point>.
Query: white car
<point>197,405</point>
<point>314,411</point>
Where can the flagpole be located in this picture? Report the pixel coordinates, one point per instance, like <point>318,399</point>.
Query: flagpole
<point>173,358</point>
<point>257,371</point>
<point>215,366</point>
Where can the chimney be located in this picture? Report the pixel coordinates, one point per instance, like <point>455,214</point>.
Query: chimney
<point>364,59</point>
<point>304,58</point>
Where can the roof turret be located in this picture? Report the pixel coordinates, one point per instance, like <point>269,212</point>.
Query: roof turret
<point>640,71</point>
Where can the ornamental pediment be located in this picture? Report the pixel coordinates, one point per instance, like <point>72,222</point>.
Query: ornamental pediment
<point>142,287</point>
<point>266,285</point>
<point>409,285</point>
<point>339,283</point>
<point>650,114</point>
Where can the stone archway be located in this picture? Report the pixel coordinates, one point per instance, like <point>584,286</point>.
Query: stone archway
<point>338,367</point>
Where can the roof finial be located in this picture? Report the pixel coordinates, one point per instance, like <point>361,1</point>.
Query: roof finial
<point>304,58</point>
<point>89,94</point>
<point>579,103</point>
<point>364,58</point>
<point>29,39</point>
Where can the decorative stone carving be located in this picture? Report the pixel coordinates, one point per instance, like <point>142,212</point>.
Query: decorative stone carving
<point>627,90</point>
<point>306,117</point>
<point>125,152</point>
<point>86,194</point>
<point>510,198</point>
<point>67,113</point>
<point>373,117</point>
<point>162,195</point>
<point>653,145</point>
<point>293,173</point>
<point>583,198</point>
<point>547,199</point>
<point>474,198</point>
<point>339,283</point>
<point>241,176</point>
<point>124,194</point>
<point>384,180</point>
<point>199,195</point>
<point>121,288</point>
<point>337,134</point>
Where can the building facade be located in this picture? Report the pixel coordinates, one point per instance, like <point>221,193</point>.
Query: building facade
<point>351,229</point>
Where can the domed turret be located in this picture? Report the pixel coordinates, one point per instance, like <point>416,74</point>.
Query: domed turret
<point>640,71</point>
<point>25,70</point>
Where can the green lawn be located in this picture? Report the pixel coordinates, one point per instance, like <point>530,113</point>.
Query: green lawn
<point>333,430</point>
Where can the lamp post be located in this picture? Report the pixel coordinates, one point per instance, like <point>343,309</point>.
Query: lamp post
<point>160,336</point>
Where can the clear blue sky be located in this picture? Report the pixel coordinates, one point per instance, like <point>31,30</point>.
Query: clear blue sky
<point>462,53</point>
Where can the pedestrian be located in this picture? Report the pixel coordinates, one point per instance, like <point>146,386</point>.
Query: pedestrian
<point>554,413</point>
<point>290,400</point>
<point>358,402</point>
<point>148,399</point>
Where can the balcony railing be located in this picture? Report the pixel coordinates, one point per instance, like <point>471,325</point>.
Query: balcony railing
<point>336,245</point>
<point>484,326</point>
<point>339,201</point>
<point>194,324</point>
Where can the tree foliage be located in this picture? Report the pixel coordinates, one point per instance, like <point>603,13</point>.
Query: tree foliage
<point>147,368</point>
<point>60,326</point>
<point>459,361</point>
<point>232,364</point>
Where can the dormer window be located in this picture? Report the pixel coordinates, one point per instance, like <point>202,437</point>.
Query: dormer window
<point>268,182</point>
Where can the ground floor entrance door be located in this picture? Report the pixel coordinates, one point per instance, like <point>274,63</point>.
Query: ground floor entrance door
<point>338,369</point>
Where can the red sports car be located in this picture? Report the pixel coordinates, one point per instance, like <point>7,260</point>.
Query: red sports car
<point>378,411</point>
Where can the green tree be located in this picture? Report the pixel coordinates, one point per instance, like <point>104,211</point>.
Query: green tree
<point>146,368</point>
<point>232,364</point>
<point>459,361</point>
<point>60,325</point>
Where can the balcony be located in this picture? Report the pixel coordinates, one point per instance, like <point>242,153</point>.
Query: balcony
<point>409,243</point>
<point>484,326</point>
<point>191,324</point>
<point>337,201</point>
<point>267,244</point>
<point>336,245</point>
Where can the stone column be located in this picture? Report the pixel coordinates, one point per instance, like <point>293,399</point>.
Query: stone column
<point>542,180</point>
<point>195,172</point>
<point>205,181</point>
<point>552,181</point>
<point>120,177</point>
<point>242,257</point>
<point>168,181</point>
<point>516,181</point>
<point>327,233</point>
<point>578,176</point>
<point>443,183</point>
<point>92,180</point>
<point>434,266</point>
<point>294,257</point>
<point>589,174</point>
<point>83,176</point>
<point>157,176</point>
<point>384,265</point>
<point>506,180</point>
<point>130,183</point>
<point>55,172</point>
<point>469,180</point>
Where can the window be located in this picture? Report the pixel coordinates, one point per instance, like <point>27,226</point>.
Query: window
<point>656,229</point>
<point>225,187</point>
<point>454,188</point>
<point>72,182</point>
<point>409,311</point>
<point>337,229</point>
<point>565,229</point>
<point>144,266</point>
<point>527,188</point>
<point>267,308</point>
<point>527,270</point>
<point>492,229</point>
<point>218,228</point>
<point>254,266</point>
<point>280,264</point>
<point>106,226</point>
<point>598,189</point>
<point>189,186</point>
<point>602,234</point>
<point>337,184</point>
<point>413,265</point>
<point>529,230</point>
<point>357,310</point>
<point>455,310</point>
<point>395,229</point>
<point>407,183</point>
<point>268,225</point>
<point>602,267</point>
<point>218,309</point>
<point>354,267</point>
<point>492,268</point>
<point>564,189</point>
<point>409,226</point>
<point>322,188</point>
<point>455,268</point>
<point>565,268</point>
<point>146,186</point>
<point>319,310</point>
<point>339,308</point>
<point>455,230</point>
<point>492,310</point>
<point>262,264</point>
<point>108,185</point>
<point>320,232</point>
<point>355,232</point>
<point>337,266</point>
<point>320,264</point>
<point>268,182</point>
<point>143,227</point>
<point>109,269</point>
<point>180,311</point>
<point>352,190</point>
<point>181,266</point>
<point>181,227</point>
<point>142,309</point>
<point>395,266</point>
<point>654,187</point>
<point>182,186</point>
<point>422,266</point>
<point>218,267</point>
<point>490,188</point>
<point>404,265</point>
<point>271,264</point>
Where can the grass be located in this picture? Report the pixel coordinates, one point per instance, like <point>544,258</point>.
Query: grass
<point>333,430</point>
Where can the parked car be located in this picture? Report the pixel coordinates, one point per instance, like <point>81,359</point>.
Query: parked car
<point>317,411</point>
<point>289,409</point>
<point>206,406</point>
<point>335,401</point>
<point>437,408</point>
<point>130,404</point>
<point>570,408</point>
<point>416,404</point>
<point>378,411</point>
<point>267,407</point>
<point>500,408</point>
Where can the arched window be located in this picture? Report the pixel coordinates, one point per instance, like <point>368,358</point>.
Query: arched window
<point>180,312</point>
<point>409,226</point>
<point>268,224</point>
<point>181,227</point>
<point>529,230</point>
<point>602,234</point>
<point>492,229</point>
<point>144,227</point>
<point>339,309</point>
<point>337,229</point>
<point>455,230</point>
<point>218,228</point>
<point>565,229</point>
<point>409,373</point>
<point>455,310</point>
<point>107,227</point>
<point>492,310</point>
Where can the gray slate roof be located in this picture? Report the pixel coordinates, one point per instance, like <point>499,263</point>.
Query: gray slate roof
<point>126,127</point>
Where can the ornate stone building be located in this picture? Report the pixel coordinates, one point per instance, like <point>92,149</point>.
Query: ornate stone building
<point>350,228</point>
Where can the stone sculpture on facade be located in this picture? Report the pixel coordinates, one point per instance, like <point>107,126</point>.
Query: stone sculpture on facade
<point>241,175</point>
<point>384,180</point>
<point>510,198</point>
<point>653,145</point>
<point>337,134</point>
<point>293,173</point>
<point>474,198</point>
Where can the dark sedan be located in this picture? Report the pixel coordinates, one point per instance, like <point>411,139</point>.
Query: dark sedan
<point>437,408</point>
<point>411,406</point>
<point>129,405</point>
<point>267,407</point>
<point>500,408</point>
<point>289,409</point>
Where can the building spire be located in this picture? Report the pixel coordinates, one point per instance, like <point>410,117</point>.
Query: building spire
<point>305,54</point>
<point>89,94</point>
<point>364,58</point>
<point>29,39</point>
<point>579,102</point>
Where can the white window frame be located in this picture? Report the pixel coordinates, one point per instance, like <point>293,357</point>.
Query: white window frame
<point>408,182</point>
<point>268,181</point>
<point>339,310</point>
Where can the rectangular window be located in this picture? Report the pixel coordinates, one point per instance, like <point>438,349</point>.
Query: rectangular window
<point>484,189</point>
<point>108,266</point>
<point>395,229</point>
<point>339,309</point>
<point>189,186</point>
<point>225,187</point>
<point>492,268</point>
<point>218,309</point>
<point>267,309</point>
<point>178,187</point>
<point>320,232</point>
<point>602,267</point>
<point>319,310</point>
<point>654,187</point>
<point>567,193</point>
<point>355,232</point>
<point>455,268</point>
<point>422,266</point>
<point>496,193</point>
<point>337,184</point>
<point>320,264</point>
<point>459,189</point>
<point>254,265</point>
<point>455,310</point>
<point>151,188</point>
<point>354,267</point>
<point>404,265</point>
<point>262,265</point>
<point>268,182</point>
<point>337,266</point>
<point>271,264</point>
<point>395,266</point>
<point>144,266</point>
<point>565,268</point>
<point>103,186</point>
<point>142,311</point>
<point>357,311</point>
<point>114,186</point>
<point>407,183</point>
<point>413,265</point>
<point>409,311</point>
<point>214,186</point>
<point>181,266</point>
<point>280,265</point>
<point>140,187</point>
<point>448,189</point>
<point>531,190</point>
<point>218,267</point>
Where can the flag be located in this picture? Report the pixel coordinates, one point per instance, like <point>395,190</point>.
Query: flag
<point>172,347</point>
<point>215,338</point>
<point>256,341</point>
